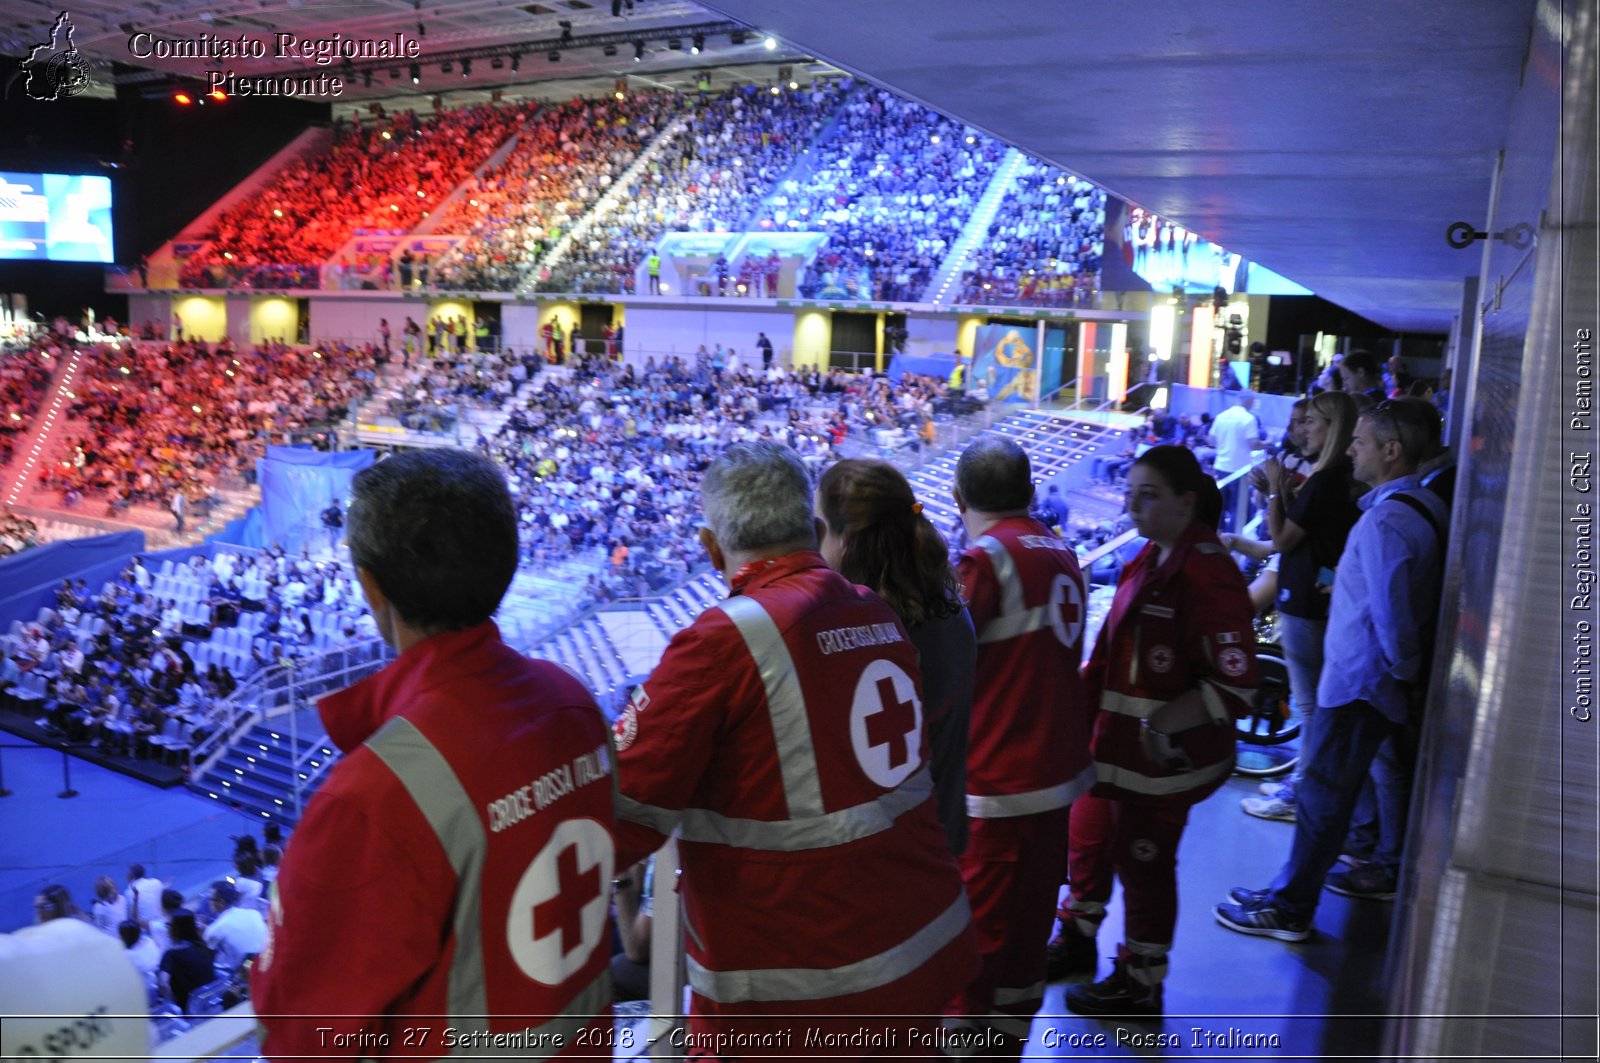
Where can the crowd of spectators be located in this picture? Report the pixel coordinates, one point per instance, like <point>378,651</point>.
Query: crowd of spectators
<point>735,148</point>
<point>16,533</point>
<point>1044,244</point>
<point>607,462</point>
<point>156,419</point>
<point>374,179</point>
<point>25,373</point>
<point>893,187</point>
<point>565,158</point>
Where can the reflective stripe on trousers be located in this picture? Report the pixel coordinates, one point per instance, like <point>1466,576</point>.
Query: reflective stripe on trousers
<point>1000,806</point>
<point>1162,785</point>
<point>443,801</point>
<point>822,983</point>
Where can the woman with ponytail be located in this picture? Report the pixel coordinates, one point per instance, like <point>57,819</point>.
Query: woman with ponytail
<point>876,535</point>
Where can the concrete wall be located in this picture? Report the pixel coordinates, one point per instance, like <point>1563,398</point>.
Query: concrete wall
<point>662,331</point>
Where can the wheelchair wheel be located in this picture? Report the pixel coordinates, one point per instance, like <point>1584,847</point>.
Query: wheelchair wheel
<point>1268,734</point>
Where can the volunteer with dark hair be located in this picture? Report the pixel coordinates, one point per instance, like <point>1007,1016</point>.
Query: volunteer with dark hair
<point>875,534</point>
<point>482,774</point>
<point>782,735</point>
<point>1175,662</point>
<point>1028,757</point>
<point>1308,525</point>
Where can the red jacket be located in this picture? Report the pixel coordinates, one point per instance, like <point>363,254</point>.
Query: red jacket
<point>1029,748</point>
<point>783,733</point>
<point>373,917</point>
<point>1182,625</point>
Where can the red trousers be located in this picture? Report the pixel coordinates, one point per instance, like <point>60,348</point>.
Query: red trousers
<point>1139,845</point>
<point>1013,869</point>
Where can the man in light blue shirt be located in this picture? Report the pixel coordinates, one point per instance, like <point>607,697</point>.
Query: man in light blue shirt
<point>1384,608</point>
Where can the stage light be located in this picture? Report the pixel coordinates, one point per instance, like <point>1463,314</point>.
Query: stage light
<point>638,51</point>
<point>794,86</point>
<point>184,98</point>
<point>775,90</point>
<point>697,43</point>
<point>770,44</point>
<point>416,74</point>
<point>219,96</point>
<point>387,135</point>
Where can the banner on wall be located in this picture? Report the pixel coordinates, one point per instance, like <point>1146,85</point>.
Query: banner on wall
<point>297,484</point>
<point>1005,363</point>
<point>1053,367</point>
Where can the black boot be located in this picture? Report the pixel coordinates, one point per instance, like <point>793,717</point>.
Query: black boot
<point>1124,993</point>
<point>1070,954</point>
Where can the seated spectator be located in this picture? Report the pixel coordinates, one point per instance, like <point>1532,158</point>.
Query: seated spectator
<point>236,933</point>
<point>141,949</point>
<point>110,908</point>
<point>188,963</point>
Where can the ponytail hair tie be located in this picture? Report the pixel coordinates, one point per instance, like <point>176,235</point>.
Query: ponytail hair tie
<point>916,509</point>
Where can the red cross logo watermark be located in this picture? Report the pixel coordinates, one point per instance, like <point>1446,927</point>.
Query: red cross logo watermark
<point>1066,610</point>
<point>558,911</point>
<point>886,724</point>
<point>1160,658</point>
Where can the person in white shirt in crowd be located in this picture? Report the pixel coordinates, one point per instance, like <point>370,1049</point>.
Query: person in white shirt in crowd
<point>144,895</point>
<point>1237,433</point>
<point>160,932</point>
<point>110,908</point>
<point>141,948</point>
<point>234,932</point>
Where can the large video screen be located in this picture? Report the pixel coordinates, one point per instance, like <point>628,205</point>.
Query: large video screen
<point>55,217</point>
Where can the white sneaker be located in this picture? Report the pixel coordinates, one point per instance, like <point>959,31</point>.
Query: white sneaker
<point>1268,808</point>
<point>1270,789</point>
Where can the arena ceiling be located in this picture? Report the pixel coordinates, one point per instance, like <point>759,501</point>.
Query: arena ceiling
<point>1331,142</point>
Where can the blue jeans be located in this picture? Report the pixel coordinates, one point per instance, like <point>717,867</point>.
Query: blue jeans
<point>1345,743</point>
<point>1302,651</point>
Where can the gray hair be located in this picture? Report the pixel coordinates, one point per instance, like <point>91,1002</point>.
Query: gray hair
<point>758,495</point>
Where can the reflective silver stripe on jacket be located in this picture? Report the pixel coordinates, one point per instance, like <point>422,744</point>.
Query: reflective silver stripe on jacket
<point>814,832</point>
<point>797,756</point>
<point>1011,625</point>
<point>1164,785</point>
<point>1002,806</point>
<point>443,801</point>
<point>1129,704</point>
<point>821,983</point>
<point>1013,613</point>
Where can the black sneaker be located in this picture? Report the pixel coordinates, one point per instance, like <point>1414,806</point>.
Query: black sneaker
<point>1116,995</point>
<point>1369,882</point>
<point>1070,955</point>
<point>1263,919</point>
<point>1248,898</point>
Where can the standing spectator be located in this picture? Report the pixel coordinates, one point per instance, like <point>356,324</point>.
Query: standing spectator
<point>178,505</point>
<point>1057,513</point>
<point>1308,526</point>
<point>652,268</point>
<point>1385,603</point>
<point>1174,663</point>
<point>144,892</point>
<point>783,735</point>
<point>1236,432</point>
<point>1029,754</point>
<point>765,346</point>
<point>502,912</point>
<point>875,535</point>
